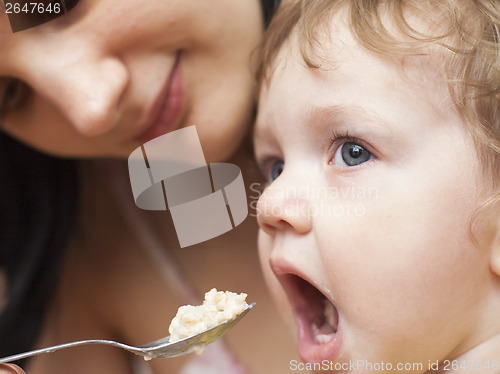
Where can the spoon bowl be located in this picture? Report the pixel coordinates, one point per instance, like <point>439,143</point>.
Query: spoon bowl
<point>161,348</point>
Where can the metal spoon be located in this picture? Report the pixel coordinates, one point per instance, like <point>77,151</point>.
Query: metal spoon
<point>160,348</point>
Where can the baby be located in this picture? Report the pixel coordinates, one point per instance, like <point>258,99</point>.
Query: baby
<point>379,132</point>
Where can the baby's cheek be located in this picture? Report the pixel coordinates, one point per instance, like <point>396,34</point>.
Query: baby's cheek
<point>407,259</point>
<point>264,255</point>
<point>279,296</point>
<point>264,247</point>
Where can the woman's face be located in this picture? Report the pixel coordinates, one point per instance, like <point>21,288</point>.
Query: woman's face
<point>108,76</point>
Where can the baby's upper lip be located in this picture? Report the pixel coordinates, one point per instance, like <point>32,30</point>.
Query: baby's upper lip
<point>282,268</point>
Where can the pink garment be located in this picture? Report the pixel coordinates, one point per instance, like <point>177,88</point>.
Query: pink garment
<point>216,359</point>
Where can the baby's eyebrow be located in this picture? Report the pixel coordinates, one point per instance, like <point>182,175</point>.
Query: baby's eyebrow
<point>346,114</point>
<point>262,136</point>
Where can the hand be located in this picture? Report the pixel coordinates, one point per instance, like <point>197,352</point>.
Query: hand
<point>10,369</point>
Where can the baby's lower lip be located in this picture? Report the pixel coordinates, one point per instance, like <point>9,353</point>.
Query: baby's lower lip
<point>310,350</point>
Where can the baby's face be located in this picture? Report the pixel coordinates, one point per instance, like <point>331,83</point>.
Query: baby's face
<point>373,177</point>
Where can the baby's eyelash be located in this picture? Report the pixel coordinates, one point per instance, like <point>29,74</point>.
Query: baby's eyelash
<point>337,136</point>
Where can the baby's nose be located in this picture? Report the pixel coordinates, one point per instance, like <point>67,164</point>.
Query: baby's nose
<point>281,207</point>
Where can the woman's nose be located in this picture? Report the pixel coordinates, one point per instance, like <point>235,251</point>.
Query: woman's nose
<point>87,90</point>
<point>282,206</point>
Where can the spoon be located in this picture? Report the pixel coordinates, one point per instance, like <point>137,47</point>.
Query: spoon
<point>160,348</point>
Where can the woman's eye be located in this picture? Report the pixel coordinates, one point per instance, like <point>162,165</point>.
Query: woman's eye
<point>14,95</point>
<point>275,170</point>
<point>351,154</point>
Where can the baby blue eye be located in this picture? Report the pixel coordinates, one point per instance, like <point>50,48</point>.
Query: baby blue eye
<point>275,171</point>
<point>351,154</point>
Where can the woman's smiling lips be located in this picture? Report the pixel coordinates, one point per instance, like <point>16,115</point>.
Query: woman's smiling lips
<point>166,108</point>
<point>318,339</point>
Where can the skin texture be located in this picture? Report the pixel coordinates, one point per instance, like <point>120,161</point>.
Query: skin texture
<point>95,72</point>
<point>386,241</point>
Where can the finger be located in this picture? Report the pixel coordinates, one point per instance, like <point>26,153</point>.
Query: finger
<point>10,369</point>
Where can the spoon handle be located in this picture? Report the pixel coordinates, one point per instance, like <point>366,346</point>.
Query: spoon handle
<point>58,347</point>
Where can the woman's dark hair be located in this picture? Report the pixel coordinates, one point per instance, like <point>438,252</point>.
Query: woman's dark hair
<point>268,9</point>
<point>38,203</point>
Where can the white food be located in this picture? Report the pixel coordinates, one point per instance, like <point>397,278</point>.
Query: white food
<point>219,306</point>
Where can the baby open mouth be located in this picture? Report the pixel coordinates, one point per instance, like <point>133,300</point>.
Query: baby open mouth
<point>315,311</point>
<point>326,331</point>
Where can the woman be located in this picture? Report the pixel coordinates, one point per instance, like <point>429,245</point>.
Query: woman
<point>77,260</point>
